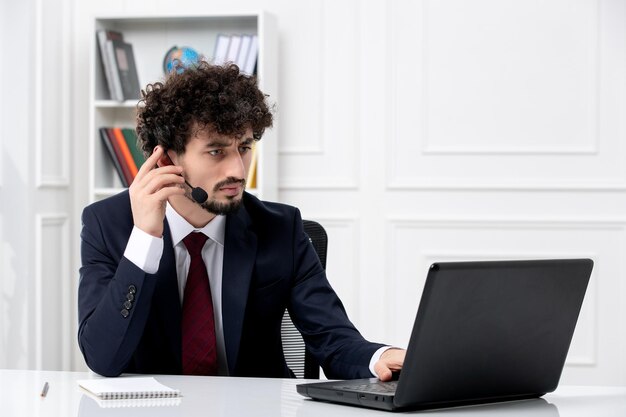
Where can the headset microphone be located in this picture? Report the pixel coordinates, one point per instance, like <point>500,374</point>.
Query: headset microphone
<point>197,193</point>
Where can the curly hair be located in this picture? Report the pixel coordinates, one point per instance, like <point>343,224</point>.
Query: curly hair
<point>203,96</point>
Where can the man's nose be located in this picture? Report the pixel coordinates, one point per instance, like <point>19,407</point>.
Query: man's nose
<point>235,166</point>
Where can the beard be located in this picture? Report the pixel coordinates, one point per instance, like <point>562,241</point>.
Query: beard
<point>221,208</point>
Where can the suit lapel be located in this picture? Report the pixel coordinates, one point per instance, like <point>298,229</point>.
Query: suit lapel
<point>167,299</point>
<point>240,244</point>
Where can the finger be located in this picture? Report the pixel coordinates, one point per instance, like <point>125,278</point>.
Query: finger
<point>150,162</point>
<point>384,373</point>
<point>155,172</point>
<point>147,191</point>
<point>165,193</point>
<point>158,182</point>
<point>145,180</point>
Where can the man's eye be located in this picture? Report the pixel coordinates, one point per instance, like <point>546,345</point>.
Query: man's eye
<point>215,152</point>
<point>244,149</point>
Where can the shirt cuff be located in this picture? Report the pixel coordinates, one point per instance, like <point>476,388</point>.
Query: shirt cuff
<point>144,250</point>
<point>376,357</point>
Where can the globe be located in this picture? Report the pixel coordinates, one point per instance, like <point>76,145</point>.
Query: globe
<point>179,58</point>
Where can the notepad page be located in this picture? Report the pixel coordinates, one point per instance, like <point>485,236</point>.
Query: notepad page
<point>127,387</point>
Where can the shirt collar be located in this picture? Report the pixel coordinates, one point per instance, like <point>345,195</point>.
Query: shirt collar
<point>179,227</point>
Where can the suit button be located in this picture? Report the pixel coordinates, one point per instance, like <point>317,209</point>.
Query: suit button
<point>130,297</point>
<point>128,305</point>
<point>124,313</point>
<point>132,289</point>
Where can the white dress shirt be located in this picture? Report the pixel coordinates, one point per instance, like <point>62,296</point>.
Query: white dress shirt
<point>145,251</point>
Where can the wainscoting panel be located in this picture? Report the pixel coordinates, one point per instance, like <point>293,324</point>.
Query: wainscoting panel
<point>53,292</point>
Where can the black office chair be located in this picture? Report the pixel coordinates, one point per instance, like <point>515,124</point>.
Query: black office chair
<point>298,358</point>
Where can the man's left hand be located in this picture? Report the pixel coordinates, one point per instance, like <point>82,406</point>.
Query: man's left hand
<point>390,361</point>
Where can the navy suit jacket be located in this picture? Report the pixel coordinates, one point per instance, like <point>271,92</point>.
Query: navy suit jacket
<point>269,265</point>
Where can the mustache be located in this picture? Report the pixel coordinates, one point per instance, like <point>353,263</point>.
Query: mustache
<point>229,181</point>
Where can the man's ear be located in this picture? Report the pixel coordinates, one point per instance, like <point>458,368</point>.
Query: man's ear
<point>165,159</point>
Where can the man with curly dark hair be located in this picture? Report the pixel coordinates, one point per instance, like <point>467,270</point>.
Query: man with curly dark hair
<point>195,280</point>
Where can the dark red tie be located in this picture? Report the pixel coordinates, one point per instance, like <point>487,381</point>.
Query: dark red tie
<point>198,324</point>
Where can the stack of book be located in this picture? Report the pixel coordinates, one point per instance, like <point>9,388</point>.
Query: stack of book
<point>118,61</point>
<point>126,156</point>
<point>238,49</point>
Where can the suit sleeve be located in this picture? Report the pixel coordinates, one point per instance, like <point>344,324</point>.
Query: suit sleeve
<point>114,298</point>
<point>321,318</point>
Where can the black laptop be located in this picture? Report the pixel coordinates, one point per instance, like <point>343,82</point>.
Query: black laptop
<point>484,332</point>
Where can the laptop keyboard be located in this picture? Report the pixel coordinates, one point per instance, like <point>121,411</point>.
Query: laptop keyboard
<point>378,387</point>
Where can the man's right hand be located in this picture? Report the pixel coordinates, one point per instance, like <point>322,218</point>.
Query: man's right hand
<point>150,190</point>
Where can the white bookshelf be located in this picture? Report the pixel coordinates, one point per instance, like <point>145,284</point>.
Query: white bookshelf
<point>151,38</point>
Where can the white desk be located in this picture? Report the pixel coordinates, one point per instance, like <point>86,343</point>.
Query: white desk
<point>232,397</point>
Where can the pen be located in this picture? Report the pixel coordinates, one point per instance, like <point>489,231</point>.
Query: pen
<point>44,390</point>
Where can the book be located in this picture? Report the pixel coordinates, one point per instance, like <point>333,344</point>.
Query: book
<point>127,158</point>
<point>246,40</point>
<point>122,147</point>
<point>128,177</point>
<point>252,171</point>
<point>107,56</point>
<point>131,140</point>
<point>127,388</point>
<point>251,58</point>
<point>233,48</point>
<point>221,49</point>
<point>127,70</point>
<point>104,135</point>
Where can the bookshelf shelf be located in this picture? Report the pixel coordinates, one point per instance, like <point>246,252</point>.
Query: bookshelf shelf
<point>128,104</point>
<point>151,38</point>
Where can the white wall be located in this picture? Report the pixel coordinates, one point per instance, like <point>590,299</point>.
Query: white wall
<point>35,195</point>
<point>430,130</point>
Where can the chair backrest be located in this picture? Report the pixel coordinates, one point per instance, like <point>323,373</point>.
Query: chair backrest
<point>298,358</point>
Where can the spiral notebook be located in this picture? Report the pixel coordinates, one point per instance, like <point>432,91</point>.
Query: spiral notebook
<point>92,406</point>
<point>127,388</point>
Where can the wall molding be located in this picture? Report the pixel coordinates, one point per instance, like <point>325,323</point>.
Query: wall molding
<point>462,184</point>
<point>352,224</point>
<point>484,222</point>
<point>318,152</point>
<point>60,223</point>
<point>422,181</point>
<point>591,149</point>
<point>318,184</point>
<point>317,148</point>
<point>62,137</point>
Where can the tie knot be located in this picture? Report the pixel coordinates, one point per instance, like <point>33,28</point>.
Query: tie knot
<point>194,242</point>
